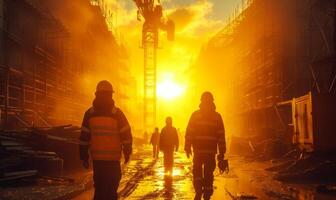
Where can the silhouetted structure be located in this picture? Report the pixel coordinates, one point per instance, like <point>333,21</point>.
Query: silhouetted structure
<point>44,54</point>
<point>151,11</point>
<point>48,49</point>
<point>272,51</point>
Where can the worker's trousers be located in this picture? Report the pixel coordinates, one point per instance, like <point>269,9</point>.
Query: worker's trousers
<point>155,151</point>
<point>168,160</point>
<point>203,168</point>
<point>106,177</point>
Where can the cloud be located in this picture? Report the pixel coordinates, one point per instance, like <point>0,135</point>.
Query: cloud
<point>194,23</point>
<point>182,17</point>
<point>195,19</point>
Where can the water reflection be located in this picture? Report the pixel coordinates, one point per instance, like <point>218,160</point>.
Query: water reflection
<point>168,188</point>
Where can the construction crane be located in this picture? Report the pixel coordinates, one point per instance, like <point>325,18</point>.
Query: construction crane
<point>151,11</point>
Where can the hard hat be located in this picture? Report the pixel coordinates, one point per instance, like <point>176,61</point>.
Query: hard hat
<point>169,118</point>
<point>104,86</point>
<point>207,96</point>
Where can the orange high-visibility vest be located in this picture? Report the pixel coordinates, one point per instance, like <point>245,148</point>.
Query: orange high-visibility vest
<point>105,138</point>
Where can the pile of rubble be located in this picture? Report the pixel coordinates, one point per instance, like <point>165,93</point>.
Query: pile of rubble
<point>299,166</point>
<point>289,164</point>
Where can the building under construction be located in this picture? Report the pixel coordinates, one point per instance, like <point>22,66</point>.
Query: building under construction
<point>52,54</point>
<point>271,52</point>
<point>47,49</point>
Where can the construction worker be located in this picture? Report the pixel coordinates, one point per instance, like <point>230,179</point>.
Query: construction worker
<point>204,135</point>
<point>106,134</point>
<point>154,141</point>
<point>168,144</point>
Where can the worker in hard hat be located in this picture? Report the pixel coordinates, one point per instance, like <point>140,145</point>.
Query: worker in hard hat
<point>154,141</point>
<point>106,133</point>
<point>205,136</point>
<point>168,144</point>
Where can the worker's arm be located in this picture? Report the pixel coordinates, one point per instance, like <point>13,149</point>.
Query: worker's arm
<point>125,135</point>
<point>85,138</point>
<point>161,138</point>
<point>188,135</point>
<point>151,140</point>
<point>176,140</point>
<point>221,138</point>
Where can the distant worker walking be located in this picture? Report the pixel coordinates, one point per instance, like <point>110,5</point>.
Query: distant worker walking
<point>168,144</point>
<point>106,133</point>
<point>154,141</point>
<point>205,134</point>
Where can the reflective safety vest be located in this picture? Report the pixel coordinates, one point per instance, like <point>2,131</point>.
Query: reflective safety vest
<point>105,138</point>
<point>205,134</point>
<point>106,135</point>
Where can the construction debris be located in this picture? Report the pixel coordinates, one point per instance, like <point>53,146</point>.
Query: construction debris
<point>246,197</point>
<point>327,189</point>
<point>35,151</point>
<point>242,196</point>
<point>306,166</point>
<point>10,176</point>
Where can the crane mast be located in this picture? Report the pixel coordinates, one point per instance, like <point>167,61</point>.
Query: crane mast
<point>151,11</point>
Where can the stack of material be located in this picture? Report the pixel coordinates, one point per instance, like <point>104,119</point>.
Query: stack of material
<point>27,153</point>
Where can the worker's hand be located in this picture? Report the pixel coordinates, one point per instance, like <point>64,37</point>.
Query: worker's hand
<point>188,153</point>
<point>127,158</point>
<point>223,166</point>
<point>86,164</point>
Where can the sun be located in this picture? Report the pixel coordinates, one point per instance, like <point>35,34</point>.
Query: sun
<point>169,89</point>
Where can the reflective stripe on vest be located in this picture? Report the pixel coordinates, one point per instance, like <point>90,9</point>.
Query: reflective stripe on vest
<point>105,138</point>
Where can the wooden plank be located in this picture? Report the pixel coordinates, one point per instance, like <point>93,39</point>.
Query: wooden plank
<point>50,153</point>
<point>6,143</point>
<point>18,175</point>
<point>18,148</point>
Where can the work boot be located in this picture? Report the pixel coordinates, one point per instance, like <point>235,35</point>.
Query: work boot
<point>198,196</point>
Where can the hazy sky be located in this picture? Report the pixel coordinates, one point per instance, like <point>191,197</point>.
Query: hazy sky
<point>196,21</point>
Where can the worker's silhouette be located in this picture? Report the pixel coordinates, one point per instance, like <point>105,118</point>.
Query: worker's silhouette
<point>106,133</point>
<point>205,135</point>
<point>154,141</point>
<point>168,144</point>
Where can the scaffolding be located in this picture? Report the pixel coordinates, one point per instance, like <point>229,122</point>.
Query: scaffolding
<point>279,50</point>
<point>36,80</point>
